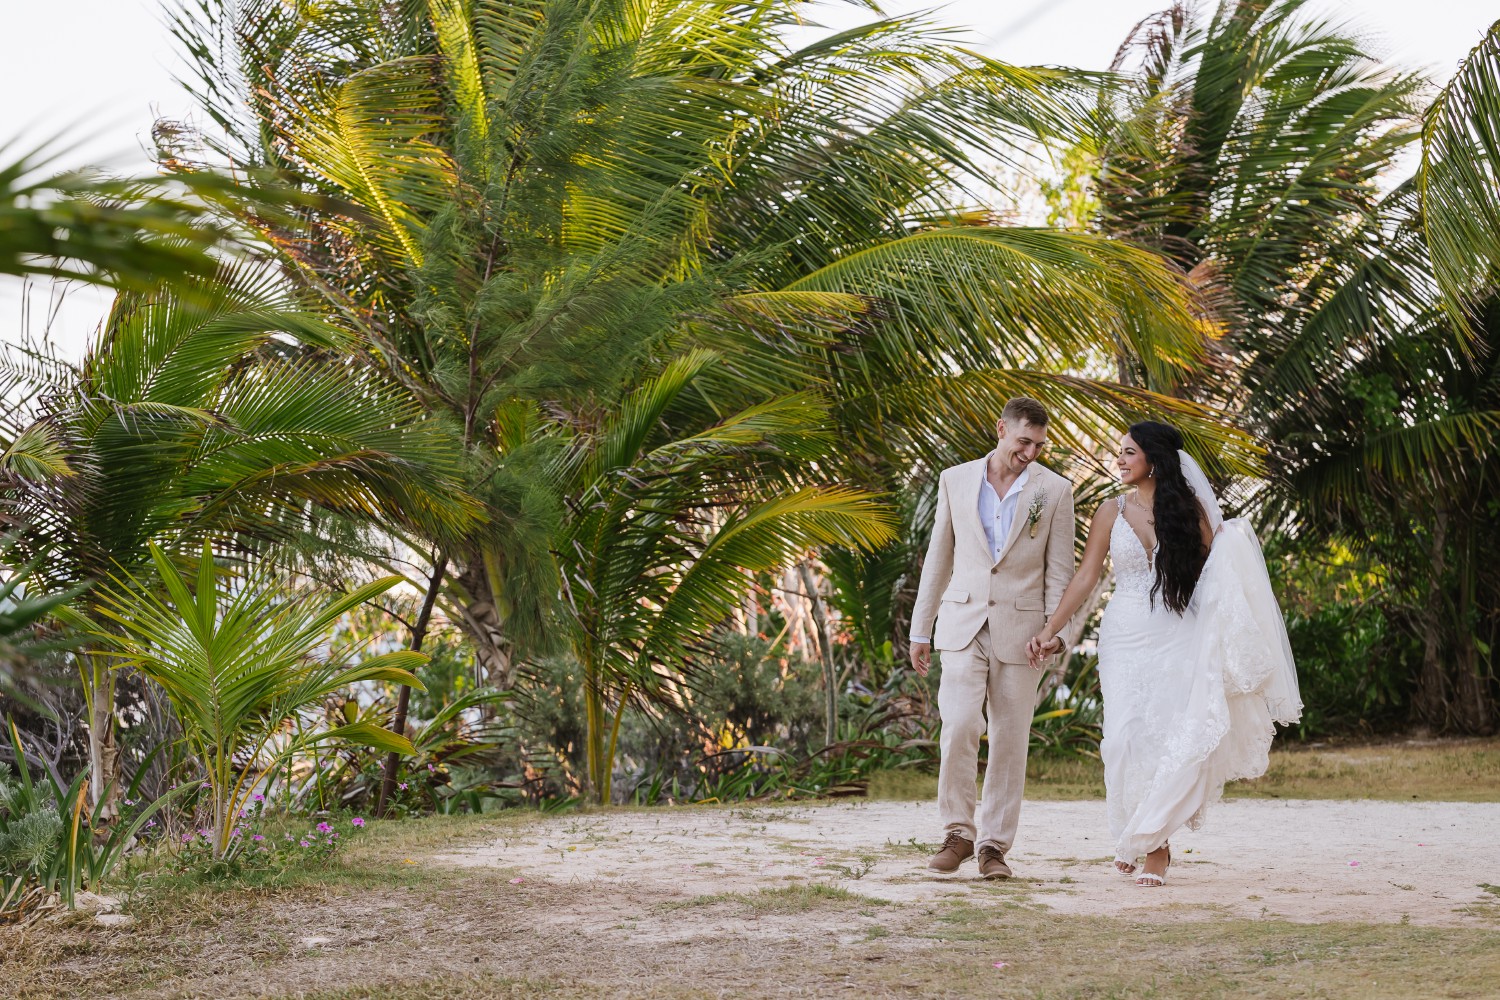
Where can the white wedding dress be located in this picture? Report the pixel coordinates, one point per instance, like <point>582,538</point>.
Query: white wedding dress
<point>1190,701</point>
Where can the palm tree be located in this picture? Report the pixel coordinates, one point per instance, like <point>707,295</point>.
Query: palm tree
<point>1270,127</point>
<point>1276,127</point>
<point>654,554</point>
<point>205,416</point>
<point>545,204</point>
<point>1404,448</point>
<point>239,665</point>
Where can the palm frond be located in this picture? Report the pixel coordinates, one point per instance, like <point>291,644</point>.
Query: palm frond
<point>1459,180</point>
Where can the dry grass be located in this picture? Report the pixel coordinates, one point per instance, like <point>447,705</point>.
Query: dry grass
<point>396,930</point>
<point>1448,771</point>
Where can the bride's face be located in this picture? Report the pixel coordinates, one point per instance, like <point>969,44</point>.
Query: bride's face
<point>1132,463</point>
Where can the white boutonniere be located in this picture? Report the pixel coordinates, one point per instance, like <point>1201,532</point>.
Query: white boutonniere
<point>1034,512</point>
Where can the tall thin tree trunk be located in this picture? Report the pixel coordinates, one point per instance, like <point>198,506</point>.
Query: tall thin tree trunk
<point>752,607</point>
<point>594,736</point>
<point>104,752</point>
<point>825,653</point>
<point>403,698</point>
<point>1433,688</point>
<point>1474,705</point>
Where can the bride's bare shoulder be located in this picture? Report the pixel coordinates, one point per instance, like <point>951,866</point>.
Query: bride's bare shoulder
<point>1104,516</point>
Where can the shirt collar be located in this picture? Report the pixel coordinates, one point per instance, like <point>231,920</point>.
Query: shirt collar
<point>1015,487</point>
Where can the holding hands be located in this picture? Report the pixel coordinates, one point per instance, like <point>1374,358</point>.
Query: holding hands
<point>1039,647</point>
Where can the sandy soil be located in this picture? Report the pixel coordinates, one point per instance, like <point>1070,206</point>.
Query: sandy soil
<point>1304,861</point>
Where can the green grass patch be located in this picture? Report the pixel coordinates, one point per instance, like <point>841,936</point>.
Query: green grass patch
<point>783,899</point>
<point>1465,771</point>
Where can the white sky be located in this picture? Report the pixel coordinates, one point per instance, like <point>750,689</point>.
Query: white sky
<point>100,71</point>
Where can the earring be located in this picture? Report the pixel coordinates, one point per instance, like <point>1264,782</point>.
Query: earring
<point>1151,473</point>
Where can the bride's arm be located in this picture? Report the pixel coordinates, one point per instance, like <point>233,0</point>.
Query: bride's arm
<point>1086,579</point>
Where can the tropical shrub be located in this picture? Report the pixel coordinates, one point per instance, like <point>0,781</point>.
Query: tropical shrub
<point>239,666</point>
<point>50,843</point>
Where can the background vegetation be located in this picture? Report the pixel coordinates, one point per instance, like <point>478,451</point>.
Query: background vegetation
<point>529,403</point>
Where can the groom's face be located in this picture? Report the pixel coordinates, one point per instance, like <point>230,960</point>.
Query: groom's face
<point>1019,444</point>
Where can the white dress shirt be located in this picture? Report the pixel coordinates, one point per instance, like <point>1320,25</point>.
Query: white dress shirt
<point>996,515</point>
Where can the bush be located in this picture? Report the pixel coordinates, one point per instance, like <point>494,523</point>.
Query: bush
<point>1353,666</point>
<point>49,843</point>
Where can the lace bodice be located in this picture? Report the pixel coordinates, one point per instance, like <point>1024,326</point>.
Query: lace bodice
<point>1133,572</point>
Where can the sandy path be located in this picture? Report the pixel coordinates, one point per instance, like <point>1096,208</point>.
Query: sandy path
<point>1312,861</point>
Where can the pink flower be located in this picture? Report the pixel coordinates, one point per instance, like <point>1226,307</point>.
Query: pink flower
<point>236,832</point>
<point>1001,965</point>
<point>258,838</point>
<point>358,821</point>
<point>324,828</point>
<point>1354,864</point>
<point>187,838</point>
<point>517,881</point>
<point>257,797</point>
<point>403,786</point>
<point>304,843</point>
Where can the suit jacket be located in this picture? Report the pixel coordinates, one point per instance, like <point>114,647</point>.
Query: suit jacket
<point>963,588</point>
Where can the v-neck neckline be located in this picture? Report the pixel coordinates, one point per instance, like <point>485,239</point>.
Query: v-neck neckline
<point>1150,553</point>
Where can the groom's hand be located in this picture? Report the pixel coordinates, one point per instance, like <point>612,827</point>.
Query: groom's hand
<point>1038,652</point>
<point>921,657</point>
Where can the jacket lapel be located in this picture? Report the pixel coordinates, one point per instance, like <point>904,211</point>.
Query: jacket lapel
<point>1023,505</point>
<point>969,487</point>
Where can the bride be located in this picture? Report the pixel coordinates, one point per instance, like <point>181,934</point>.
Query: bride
<point>1194,663</point>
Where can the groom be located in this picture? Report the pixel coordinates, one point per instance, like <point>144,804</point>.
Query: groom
<point>1000,557</point>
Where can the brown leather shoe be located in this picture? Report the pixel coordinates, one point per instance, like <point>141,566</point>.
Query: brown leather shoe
<point>992,863</point>
<point>956,850</point>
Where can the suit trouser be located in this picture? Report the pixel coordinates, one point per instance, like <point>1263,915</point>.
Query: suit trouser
<point>975,684</point>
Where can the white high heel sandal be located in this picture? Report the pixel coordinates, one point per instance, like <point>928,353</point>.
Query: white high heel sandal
<point>1153,881</point>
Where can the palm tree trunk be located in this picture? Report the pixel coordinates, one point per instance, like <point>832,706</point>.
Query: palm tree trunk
<point>403,699</point>
<point>594,735</point>
<point>825,653</point>
<point>614,742</point>
<point>1474,705</point>
<point>484,625</point>
<point>104,753</point>
<point>1433,691</point>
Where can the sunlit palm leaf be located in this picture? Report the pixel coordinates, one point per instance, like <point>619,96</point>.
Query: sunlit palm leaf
<point>1460,180</point>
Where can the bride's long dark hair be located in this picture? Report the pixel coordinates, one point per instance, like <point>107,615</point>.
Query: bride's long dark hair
<point>1181,555</point>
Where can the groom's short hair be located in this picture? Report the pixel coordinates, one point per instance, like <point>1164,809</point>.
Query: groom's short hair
<point>1024,410</point>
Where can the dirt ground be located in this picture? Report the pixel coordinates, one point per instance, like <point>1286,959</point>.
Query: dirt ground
<point>1432,864</point>
<point>816,900</point>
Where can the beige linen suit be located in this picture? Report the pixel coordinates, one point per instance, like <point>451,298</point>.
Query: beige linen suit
<point>986,609</point>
